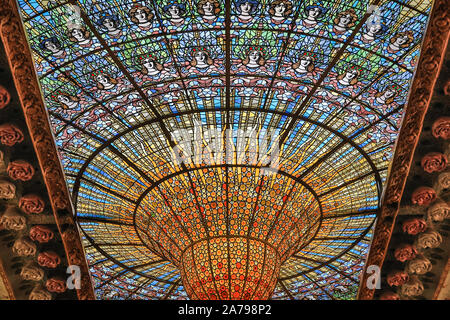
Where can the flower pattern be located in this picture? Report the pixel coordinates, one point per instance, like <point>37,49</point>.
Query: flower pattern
<point>423,196</point>
<point>10,135</point>
<point>20,170</point>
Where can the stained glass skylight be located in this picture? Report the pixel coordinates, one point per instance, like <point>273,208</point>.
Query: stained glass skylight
<point>149,101</point>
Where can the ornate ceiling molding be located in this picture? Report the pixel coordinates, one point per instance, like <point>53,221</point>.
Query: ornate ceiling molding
<point>6,292</point>
<point>432,54</point>
<point>415,266</point>
<point>25,79</point>
<point>443,288</point>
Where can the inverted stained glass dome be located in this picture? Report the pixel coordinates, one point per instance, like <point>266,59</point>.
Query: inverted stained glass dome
<point>225,149</point>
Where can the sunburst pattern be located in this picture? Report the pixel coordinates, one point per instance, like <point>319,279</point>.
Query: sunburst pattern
<point>145,97</point>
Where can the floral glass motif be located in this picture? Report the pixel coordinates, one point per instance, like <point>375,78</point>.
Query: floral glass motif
<point>120,76</point>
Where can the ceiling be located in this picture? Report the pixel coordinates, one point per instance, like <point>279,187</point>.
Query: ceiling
<point>123,91</point>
